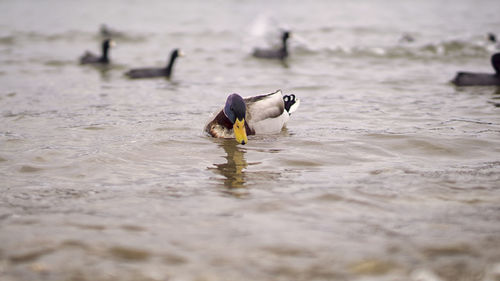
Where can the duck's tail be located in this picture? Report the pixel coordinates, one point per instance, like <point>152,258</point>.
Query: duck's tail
<point>291,103</point>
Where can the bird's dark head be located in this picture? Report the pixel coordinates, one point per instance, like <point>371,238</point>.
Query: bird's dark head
<point>176,53</point>
<point>235,110</point>
<point>495,61</point>
<point>492,38</point>
<point>108,43</point>
<point>173,56</point>
<point>286,34</point>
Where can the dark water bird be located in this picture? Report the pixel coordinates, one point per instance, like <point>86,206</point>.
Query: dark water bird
<point>89,57</point>
<point>492,37</point>
<point>480,79</point>
<point>281,53</point>
<point>156,72</point>
<point>407,38</point>
<point>108,32</point>
<point>263,114</point>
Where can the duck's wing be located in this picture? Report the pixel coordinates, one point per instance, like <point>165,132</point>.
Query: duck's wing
<point>264,106</point>
<point>266,114</point>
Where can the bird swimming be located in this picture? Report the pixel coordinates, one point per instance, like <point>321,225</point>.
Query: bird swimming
<point>156,72</point>
<point>406,38</point>
<point>90,58</point>
<point>262,114</point>
<point>492,37</point>
<point>107,32</point>
<point>281,53</point>
<point>480,79</point>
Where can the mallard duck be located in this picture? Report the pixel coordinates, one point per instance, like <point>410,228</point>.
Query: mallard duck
<point>280,53</point>
<point>89,57</point>
<point>480,79</point>
<point>263,114</point>
<point>156,72</point>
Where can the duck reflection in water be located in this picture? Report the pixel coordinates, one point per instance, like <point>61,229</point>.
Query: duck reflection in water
<point>234,168</point>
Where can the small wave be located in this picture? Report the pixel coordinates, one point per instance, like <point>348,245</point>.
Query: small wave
<point>31,36</point>
<point>456,48</point>
<point>30,256</point>
<point>7,40</point>
<point>30,169</point>
<point>373,42</point>
<point>448,49</point>
<point>108,32</point>
<point>57,63</point>
<point>20,37</point>
<point>129,253</point>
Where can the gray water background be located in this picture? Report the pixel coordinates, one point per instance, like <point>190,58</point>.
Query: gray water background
<point>386,171</point>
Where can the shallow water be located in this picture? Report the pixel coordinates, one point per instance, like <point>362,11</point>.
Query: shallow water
<point>385,172</point>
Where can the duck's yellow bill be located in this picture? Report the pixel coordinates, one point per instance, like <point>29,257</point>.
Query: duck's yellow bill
<point>240,132</point>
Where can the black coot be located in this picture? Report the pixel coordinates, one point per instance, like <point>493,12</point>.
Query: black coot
<point>280,53</point>
<point>155,72</point>
<point>480,79</point>
<point>89,57</point>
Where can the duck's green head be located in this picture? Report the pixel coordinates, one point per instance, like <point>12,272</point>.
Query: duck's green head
<point>235,110</point>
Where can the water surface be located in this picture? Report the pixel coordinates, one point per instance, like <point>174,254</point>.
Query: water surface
<point>386,171</point>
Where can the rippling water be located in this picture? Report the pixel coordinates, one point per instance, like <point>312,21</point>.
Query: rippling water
<point>386,171</point>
